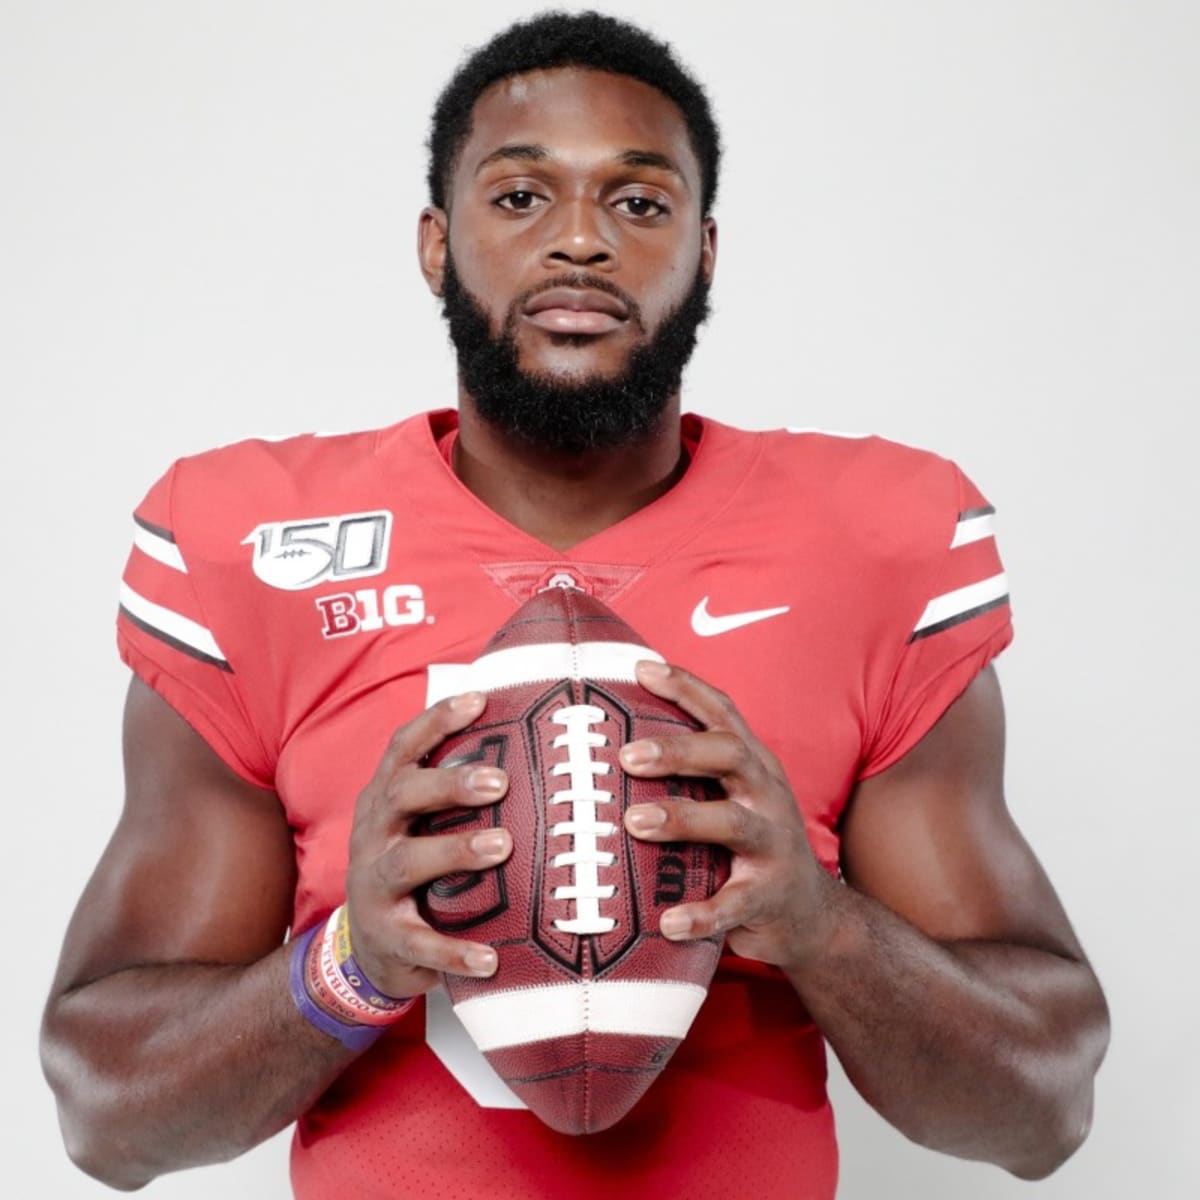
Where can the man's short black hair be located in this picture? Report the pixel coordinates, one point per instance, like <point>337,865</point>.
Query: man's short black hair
<point>559,39</point>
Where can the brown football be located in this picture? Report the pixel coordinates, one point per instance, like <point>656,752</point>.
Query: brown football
<point>589,999</point>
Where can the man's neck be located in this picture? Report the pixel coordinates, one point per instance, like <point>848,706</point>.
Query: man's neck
<point>563,500</point>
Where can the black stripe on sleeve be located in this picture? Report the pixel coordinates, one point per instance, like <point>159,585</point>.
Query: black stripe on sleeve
<point>157,530</point>
<point>175,643</point>
<point>985,511</point>
<point>958,618</point>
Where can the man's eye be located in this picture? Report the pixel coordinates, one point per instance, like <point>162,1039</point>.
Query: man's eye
<point>642,206</point>
<point>518,201</point>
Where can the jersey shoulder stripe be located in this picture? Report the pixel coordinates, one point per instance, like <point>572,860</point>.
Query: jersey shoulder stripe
<point>973,526</point>
<point>158,599</point>
<point>962,604</point>
<point>158,543</point>
<point>972,554</point>
<point>180,632</point>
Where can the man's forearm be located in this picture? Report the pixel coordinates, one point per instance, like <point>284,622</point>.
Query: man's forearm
<point>985,1050</point>
<point>162,1067</point>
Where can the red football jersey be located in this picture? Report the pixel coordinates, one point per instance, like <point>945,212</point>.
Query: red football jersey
<point>298,600</point>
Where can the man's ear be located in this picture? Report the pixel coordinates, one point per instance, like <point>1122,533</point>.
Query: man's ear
<point>708,247</point>
<point>433,230</point>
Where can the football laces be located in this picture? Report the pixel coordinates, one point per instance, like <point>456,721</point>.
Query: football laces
<point>583,827</point>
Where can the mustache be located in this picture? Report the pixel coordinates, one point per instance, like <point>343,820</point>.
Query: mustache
<point>577,279</point>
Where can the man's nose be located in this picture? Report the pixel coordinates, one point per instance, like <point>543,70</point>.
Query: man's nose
<point>581,235</point>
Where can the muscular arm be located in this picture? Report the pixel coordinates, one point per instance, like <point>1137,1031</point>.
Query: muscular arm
<point>946,976</point>
<point>170,1038</point>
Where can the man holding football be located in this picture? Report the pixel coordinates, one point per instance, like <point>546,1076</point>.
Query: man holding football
<point>295,614</point>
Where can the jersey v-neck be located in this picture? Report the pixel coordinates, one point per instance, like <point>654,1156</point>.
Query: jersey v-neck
<point>720,463</point>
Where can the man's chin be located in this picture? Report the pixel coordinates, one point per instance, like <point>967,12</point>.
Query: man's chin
<point>570,414</point>
<point>568,360</point>
<point>567,382</point>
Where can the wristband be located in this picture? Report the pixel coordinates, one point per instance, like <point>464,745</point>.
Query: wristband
<point>331,991</point>
<point>353,1037</point>
<point>327,987</point>
<point>343,954</point>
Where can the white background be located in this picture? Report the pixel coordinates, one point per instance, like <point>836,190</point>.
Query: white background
<point>972,226</point>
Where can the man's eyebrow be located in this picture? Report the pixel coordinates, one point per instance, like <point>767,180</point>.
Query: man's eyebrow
<point>532,152</point>
<point>649,158</point>
<point>522,151</point>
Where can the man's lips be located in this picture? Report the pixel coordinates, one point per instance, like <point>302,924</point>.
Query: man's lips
<point>576,310</point>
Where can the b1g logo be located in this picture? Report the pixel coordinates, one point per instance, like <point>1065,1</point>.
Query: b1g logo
<point>293,555</point>
<point>369,609</point>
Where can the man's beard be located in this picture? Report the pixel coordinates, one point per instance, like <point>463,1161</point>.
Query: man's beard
<point>566,415</point>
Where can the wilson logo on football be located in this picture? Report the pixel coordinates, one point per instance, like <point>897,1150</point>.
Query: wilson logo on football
<point>293,555</point>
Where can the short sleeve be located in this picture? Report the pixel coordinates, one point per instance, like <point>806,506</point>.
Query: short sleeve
<point>168,637</point>
<point>962,621</point>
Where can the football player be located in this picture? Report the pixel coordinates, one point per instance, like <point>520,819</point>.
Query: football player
<point>249,952</point>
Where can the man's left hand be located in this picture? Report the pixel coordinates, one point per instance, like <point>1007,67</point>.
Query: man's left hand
<point>775,905</point>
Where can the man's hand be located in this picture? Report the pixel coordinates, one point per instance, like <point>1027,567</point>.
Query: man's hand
<point>771,908</point>
<point>949,938</point>
<point>396,948</point>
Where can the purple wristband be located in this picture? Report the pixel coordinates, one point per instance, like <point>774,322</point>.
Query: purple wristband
<point>354,976</point>
<point>365,990</point>
<point>353,1037</point>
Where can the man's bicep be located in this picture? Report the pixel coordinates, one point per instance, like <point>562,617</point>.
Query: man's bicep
<point>932,838</point>
<point>200,868</point>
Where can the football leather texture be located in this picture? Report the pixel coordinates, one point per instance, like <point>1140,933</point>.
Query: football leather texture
<point>589,999</point>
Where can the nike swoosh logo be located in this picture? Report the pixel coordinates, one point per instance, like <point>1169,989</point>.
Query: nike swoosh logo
<point>706,625</point>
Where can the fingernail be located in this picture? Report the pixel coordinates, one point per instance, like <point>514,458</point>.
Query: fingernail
<point>490,844</point>
<point>467,702</point>
<point>647,668</point>
<point>640,754</point>
<point>644,817</point>
<point>675,924</point>
<point>487,781</point>
<point>481,961</point>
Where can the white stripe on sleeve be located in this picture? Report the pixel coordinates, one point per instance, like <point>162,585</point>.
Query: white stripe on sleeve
<point>974,529</point>
<point>157,547</point>
<point>962,600</point>
<point>171,624</point>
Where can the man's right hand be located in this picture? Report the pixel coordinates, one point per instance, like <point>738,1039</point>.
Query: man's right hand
<point>396,949</point>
